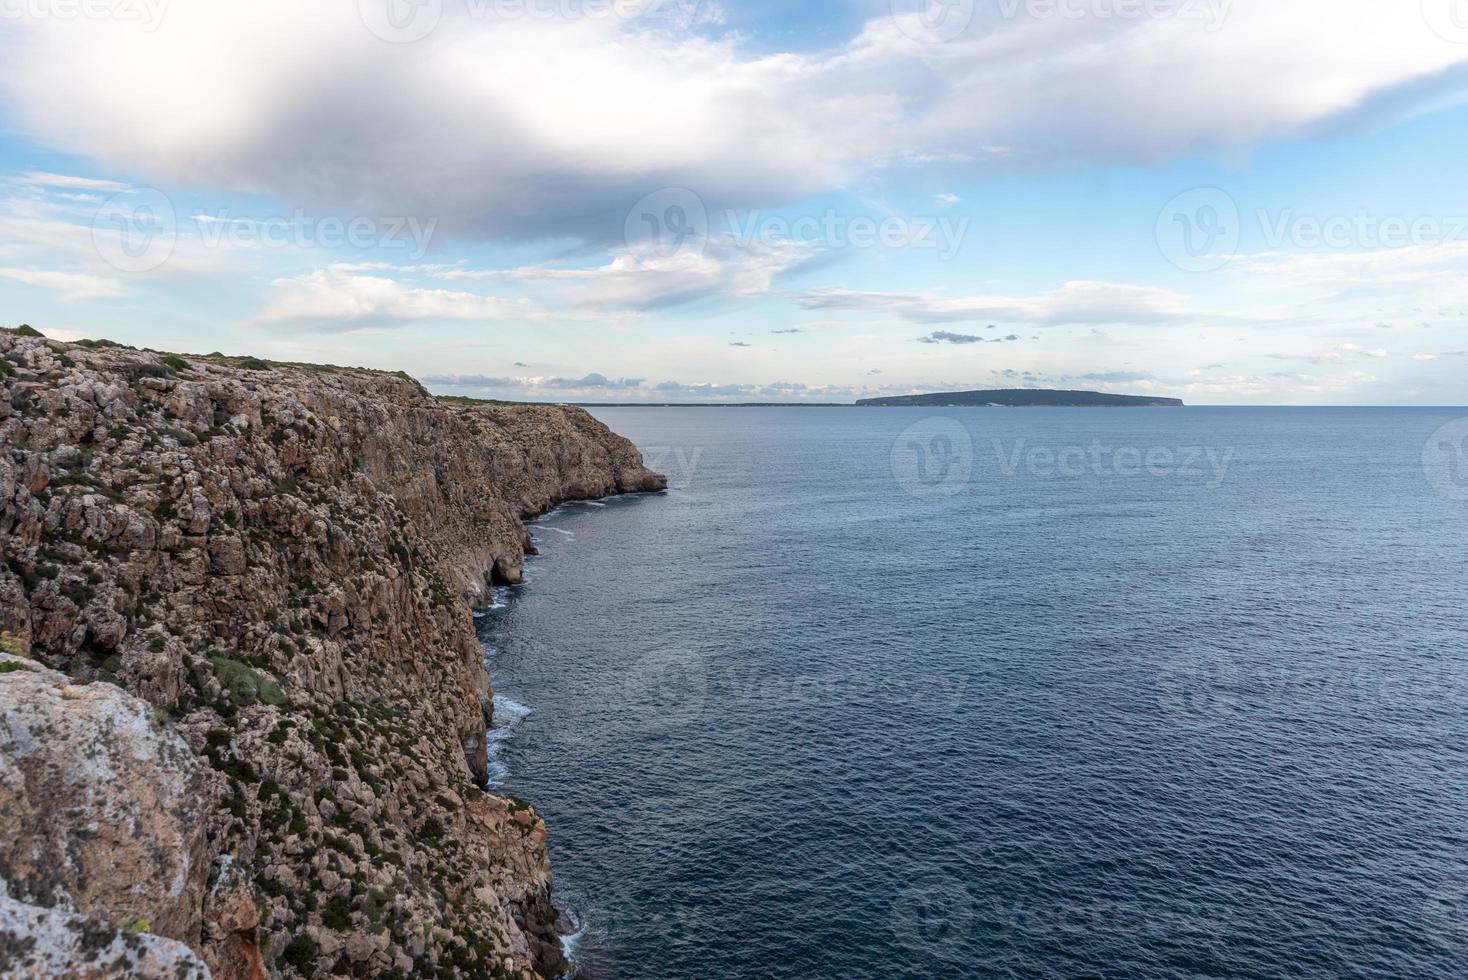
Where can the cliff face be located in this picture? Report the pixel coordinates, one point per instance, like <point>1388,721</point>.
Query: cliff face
<point>279,562</point>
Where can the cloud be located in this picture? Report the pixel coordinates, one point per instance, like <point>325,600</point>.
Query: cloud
<point>554,127</point>
<point>41,178</point>
<point>638,278</point>
<point>70,285</point>
<point>737,343</point>
<point>947,199</point>
<point>946,337</point>
<point>336,299</point>
<point>591,382</point>
<point>1432,274</point>
<point>1074,303</point>
<point>1339,354</point>
<point>704,389</point>
<point>1117,377</point>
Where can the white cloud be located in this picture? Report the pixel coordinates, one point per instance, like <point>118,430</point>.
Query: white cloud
<point>41,178</point>
<point>1074,303</point>
<point>70,285</point>
<point>1433,273</point>
<point>642,279</point>
<point>1339,354</point>
<point>339,299</point>
<point>546,127</point>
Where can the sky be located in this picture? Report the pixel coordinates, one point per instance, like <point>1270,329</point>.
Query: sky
<point>1227,201</point>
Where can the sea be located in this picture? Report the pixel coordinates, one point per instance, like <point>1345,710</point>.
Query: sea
<point>915,693</point>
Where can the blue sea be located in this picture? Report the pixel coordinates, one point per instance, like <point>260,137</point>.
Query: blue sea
<point>904,693</point>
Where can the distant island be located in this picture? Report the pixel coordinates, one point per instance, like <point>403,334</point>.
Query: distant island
<point>1022,398</point>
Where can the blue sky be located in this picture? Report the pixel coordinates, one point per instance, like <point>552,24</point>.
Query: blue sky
<point>1232,201</point>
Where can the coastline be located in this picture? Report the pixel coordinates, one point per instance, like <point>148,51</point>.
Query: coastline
<point>278,566</point>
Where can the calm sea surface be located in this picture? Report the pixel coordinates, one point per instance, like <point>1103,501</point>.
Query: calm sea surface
<point>899,693</point>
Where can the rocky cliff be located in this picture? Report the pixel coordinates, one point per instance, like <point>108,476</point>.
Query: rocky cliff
<point>244,709</point>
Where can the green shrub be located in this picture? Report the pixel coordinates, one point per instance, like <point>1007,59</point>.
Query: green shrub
<point>254,364</point>
<point>337,914</point>
<point>174,362</point>
<point>25,330</point>
<point>7,370</point>
<point>247,685</point>
<point>300,953</point>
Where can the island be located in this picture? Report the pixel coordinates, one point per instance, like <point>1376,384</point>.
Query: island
<point>1021,398</point>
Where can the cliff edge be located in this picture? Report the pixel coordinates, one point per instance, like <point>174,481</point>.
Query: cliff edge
<point>235,635</point>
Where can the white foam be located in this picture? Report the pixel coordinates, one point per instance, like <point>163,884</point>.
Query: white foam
<point>507,714</point>
<point>558,530</point>
<point>570,942</point>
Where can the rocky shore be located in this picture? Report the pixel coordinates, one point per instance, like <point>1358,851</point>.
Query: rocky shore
<point>242,705</point>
